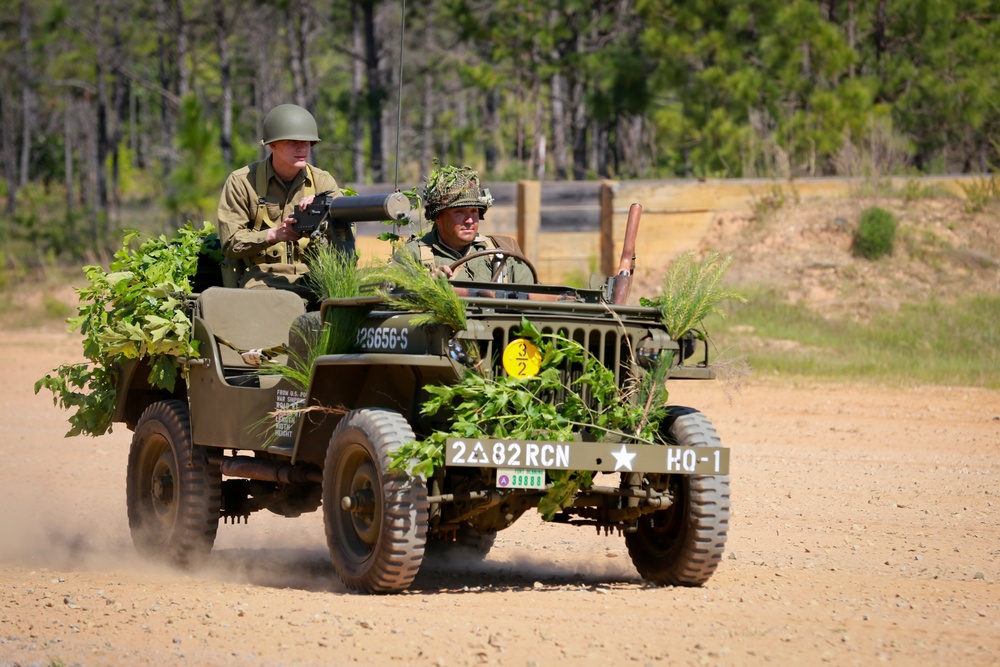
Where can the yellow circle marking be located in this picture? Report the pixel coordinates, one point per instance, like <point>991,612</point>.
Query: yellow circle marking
<point>521,358</point>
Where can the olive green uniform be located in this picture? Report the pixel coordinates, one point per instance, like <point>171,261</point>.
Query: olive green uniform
<point>280,265</point>
<point>430,248</point>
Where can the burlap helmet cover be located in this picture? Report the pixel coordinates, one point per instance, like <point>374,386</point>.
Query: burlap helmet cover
<point>454,187</point>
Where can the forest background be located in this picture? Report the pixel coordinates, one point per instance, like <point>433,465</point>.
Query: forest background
<point>126,114</point>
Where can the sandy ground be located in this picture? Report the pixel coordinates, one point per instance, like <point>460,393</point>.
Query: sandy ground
<point>864,531</point>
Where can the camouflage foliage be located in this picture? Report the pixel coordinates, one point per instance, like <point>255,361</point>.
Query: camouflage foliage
<point>454,187</point>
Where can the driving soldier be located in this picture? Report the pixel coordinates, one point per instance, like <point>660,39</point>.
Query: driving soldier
<point>256,227</point>
<point>455,202</point>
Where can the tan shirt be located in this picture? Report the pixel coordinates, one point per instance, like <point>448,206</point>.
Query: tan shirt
<point>238,212</point>
<point>479,269</point>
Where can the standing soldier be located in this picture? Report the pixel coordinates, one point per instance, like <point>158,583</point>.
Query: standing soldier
<point>256,227</point>
<point>455,202</point>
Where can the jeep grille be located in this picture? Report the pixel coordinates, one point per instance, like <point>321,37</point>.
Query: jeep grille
<point>607,343</point>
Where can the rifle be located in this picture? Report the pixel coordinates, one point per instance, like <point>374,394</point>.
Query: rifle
<point>626,265</point>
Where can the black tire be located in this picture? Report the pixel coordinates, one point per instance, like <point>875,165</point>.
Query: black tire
<point>376,545</point>
<point>173,494</point>
<point>683,544</point>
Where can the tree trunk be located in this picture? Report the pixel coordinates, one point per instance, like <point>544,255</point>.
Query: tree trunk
<point>222,29</point>
<point>100,126</point>
<point>426,135</point>
<point>133,128</point>
<point>357,95</point>
<point>101,120</point>
<point>851,38</point>
<point>183,72</point>
<point>462,116</point>
<point>538,152</point>
<point>166,57</point>
<point>559,126</point>
<point>427,102</point>
<point>579,131</point>
<point>266,86</point>
<point>519,149</point>
<point>880,30</point>
<point>375,93</point>
<point>68,154</point>
<point>558,110</point>
<point>308,92</point>
<point>119,105</point>
<point>602,136</point>
<point>27,94</point>
<point>89,187</point>
<point>7,149</point>
<point>295,33</point>
<point>491,124</point>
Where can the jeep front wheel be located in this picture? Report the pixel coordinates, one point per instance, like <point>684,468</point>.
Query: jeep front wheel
<point>173,494</point>
<point>683,544</point>
<point>376,520</point>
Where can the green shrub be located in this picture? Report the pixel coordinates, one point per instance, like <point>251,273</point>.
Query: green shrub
<point>876,233</point>
<point>980,192</point>
<point>54,308</point>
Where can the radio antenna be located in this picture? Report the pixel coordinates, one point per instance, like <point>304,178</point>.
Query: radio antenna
<point>399,94</point>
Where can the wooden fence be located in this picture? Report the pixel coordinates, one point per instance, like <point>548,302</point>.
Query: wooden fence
<point>571,230</point>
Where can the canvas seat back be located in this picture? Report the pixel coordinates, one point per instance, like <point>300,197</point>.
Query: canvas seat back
<point>248,319</point>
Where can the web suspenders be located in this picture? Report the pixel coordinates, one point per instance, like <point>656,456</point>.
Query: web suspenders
<point>261,218</point>
<point>261,189</point>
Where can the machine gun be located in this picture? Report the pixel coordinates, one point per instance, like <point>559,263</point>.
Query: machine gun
<point>341,211</point>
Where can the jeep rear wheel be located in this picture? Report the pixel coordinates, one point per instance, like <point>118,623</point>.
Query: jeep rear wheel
<point>683,544</point>
<point>173,494</point>
<point>376,520</point>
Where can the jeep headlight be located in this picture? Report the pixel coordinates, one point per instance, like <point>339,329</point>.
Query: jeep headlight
<point>458,353</point>
<point>651,349</point>
<point>647,357</point>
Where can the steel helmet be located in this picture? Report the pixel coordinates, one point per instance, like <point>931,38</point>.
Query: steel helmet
<point>289,122</point>
<point>454,187</point>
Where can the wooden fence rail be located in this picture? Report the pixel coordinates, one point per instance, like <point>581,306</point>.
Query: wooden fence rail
<point>571,230</point>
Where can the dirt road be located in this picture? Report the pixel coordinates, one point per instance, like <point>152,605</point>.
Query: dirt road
<point>864,531</point>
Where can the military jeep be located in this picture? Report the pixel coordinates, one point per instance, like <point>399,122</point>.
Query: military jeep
<point>231,441</point>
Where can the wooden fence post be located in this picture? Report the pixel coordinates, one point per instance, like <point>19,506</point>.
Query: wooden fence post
<point>529,217</point>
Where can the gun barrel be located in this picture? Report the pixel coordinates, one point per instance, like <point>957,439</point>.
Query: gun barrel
<point>370,208</point>
<point>623,279</point>
<point>627,261</point>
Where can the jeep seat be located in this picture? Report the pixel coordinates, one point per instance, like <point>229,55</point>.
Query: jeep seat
<point>248,319</point>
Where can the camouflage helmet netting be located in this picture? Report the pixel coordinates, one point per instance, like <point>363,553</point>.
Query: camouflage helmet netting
<point>454,187</point>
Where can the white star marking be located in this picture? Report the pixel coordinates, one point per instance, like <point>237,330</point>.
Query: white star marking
<point>623,459</point>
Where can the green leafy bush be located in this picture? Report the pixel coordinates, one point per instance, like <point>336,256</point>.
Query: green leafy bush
<point>876,233</point>
<point>132,310</point>
<point>503,407</point>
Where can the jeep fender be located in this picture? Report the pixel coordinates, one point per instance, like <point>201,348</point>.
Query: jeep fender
<point>344,382</point>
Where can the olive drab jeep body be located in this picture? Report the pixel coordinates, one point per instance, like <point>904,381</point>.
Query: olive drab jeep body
<point>231,441</point>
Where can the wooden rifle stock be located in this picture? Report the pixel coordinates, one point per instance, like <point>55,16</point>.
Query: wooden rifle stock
<point>626,265</point>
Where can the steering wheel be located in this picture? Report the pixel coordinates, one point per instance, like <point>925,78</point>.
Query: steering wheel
<point>507,254</point>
